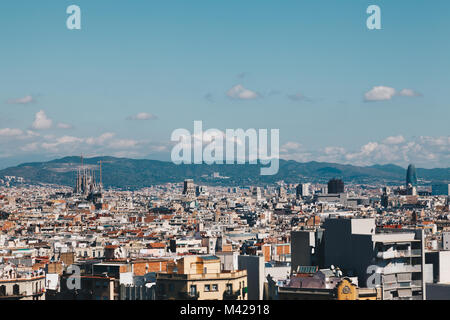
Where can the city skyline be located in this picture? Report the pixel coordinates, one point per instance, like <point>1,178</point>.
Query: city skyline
<point>221,158</point>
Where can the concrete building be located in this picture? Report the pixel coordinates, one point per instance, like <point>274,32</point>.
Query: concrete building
<point>441,265</point>
<point>394,261</point>
<point>255,275</point>
<point>189,187</point>
<point>306,248</point>
<point>446,240</point>
<point>303,190</point>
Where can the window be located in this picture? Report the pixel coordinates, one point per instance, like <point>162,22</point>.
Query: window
<point>171,287</point>
<point>229,287</point>
<point>16,290</point>
<point>2,290</point>
<point>215,287</point>
<point>207,288</point>
<point>193,290</point>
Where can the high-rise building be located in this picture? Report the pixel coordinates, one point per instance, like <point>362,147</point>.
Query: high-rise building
<point>411,177</point>
<point>189,187</point>
<point>302,190</point>
<point>393,260</point>
<point>335,186</point>
<point>201,191</point>
<point>256,193</point>
<point>281,192</point>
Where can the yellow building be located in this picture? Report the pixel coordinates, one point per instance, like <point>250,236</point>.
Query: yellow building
<point>201,278</point>
<point>346,290</point>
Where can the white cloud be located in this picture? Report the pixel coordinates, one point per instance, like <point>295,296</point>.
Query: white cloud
<point>65,140</point>
<point>41,121</point>
<point>143,116</point>
<point>380,93</point>
<point>30,147</point>
<point>101,139</point>
<point>424,151</point>
<point>409,93</point>
<point>290,146</point>
<point>68,139</point>
<point>123,144</point>
<point>239,92</point>
<point>62,125</point>
<point>8,132</point>
<point>23,100</point>
<point>334,150</point>
<point>394,140</point>
<point>295,151</point>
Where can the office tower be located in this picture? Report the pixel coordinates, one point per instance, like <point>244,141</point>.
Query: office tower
<point>385,199</point>
<point>411,177</point>
<point>302,190</point>
<point>335,186</point>
<point>189,187</point>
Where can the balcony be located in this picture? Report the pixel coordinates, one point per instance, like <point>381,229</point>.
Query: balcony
<point>399,254</point>
<point>415,284</point>
<point>401,268</point>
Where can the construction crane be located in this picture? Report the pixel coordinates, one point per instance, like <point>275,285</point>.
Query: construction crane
<point>101,162</point>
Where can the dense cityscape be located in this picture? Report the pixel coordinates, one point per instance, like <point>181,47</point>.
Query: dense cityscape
<point>183,241</point>
<point>224,159</point>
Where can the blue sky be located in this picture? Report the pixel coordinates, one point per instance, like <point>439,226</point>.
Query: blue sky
<point>307,66</point>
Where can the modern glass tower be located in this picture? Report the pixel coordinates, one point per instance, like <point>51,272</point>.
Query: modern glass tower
<point>411,177</point>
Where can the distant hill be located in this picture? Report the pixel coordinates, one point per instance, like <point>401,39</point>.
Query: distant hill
<point>133,173</point>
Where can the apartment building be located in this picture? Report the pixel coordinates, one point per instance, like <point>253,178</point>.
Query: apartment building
<point>393,259</point>
<point>201,278</point>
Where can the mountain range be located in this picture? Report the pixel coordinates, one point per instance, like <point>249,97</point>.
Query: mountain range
<point>127,173</point>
